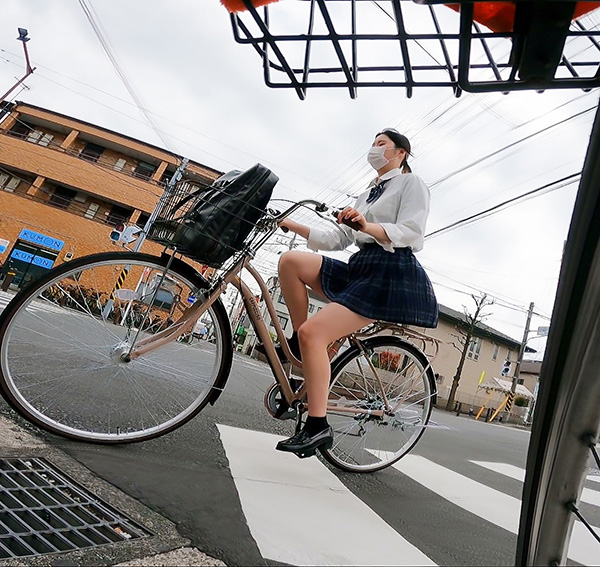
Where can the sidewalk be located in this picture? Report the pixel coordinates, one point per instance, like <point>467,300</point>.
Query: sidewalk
<point>164,546</point>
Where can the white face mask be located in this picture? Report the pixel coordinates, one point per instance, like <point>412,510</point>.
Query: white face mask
<point>376,158</point>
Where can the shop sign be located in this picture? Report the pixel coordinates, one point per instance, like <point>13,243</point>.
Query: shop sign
<point>3,245</point>
<point>31,259</point>
<point>41,239</point>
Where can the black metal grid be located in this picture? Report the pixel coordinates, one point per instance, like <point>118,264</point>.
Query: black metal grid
<point>400,43</point>
<point>43,511</point>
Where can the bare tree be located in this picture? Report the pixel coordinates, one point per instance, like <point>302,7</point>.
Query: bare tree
<point>464,338</point>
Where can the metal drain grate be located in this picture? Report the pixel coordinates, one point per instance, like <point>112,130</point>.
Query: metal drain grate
<point>43,511</point>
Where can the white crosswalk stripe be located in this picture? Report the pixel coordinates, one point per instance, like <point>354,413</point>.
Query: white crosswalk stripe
<point>589,496</point>
<point>36,305</point>
<point>342,530</point>
<point>488,503</point>
<point>322,506</point>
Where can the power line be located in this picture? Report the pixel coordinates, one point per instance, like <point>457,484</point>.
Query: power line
<point>92,19</point>
<point>508,146</point>
<point>558,184</point>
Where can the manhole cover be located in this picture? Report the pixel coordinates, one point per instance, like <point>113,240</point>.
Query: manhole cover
<point>44,511</point>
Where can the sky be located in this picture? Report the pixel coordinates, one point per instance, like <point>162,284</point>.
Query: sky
<point>206,99</point>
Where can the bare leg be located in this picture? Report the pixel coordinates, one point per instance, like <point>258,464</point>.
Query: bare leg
<point>315,334</point>
<point>296,271</point>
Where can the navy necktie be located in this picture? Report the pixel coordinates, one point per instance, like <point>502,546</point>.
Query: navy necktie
<point>376,191</point>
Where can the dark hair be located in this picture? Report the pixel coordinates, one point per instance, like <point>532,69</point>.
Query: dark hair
<point>401,142</point>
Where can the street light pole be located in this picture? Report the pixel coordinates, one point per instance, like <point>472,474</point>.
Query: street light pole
<point>28,68</point>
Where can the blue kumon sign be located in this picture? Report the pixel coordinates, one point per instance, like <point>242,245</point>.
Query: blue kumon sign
<point>31,259</point>
<point>41,239</point>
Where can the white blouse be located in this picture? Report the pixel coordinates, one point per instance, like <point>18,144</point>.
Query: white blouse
<point>401,210</point>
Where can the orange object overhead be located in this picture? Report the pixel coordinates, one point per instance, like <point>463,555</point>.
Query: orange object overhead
<point>240,6</point>
<point>500,16</point>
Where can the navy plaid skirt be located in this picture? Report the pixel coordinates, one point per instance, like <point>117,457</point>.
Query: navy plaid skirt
<point>382,286</point>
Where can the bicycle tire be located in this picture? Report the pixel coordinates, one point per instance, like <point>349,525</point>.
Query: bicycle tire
<point>59,350</point>
<point>567,418</point>
<point>363,442</point>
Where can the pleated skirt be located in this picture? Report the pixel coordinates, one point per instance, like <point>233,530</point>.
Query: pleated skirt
<point>382,285</point>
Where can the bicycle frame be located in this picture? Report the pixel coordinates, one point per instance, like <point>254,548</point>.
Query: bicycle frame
<point>232,276</point>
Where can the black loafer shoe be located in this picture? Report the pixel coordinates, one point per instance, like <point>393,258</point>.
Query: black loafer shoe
<point>305,445</point>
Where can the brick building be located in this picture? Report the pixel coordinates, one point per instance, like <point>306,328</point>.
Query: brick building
<point>64,183</point>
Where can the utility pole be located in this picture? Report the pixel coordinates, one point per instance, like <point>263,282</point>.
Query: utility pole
<point>169,189</point>
<point>28,68</point>
<point>517,373</point>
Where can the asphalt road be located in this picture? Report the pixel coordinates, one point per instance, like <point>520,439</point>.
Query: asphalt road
<point>186,477</point>
<point>453,501</point>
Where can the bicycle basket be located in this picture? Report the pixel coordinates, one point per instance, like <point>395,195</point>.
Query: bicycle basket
<point>212,224</point>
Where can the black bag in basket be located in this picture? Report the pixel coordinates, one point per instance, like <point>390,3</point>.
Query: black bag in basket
<point>215,227</point>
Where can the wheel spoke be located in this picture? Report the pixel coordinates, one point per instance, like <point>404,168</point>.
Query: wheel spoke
<point>63,363</point>
<point>387,376</point>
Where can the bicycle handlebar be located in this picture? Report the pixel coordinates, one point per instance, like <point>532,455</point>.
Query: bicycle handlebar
<point>319,207</point>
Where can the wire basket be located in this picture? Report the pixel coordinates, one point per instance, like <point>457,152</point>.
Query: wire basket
<point>172,207</point>
<point>210,224</point>
<point>399,43</point>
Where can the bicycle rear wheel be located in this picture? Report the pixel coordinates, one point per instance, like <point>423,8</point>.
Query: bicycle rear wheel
<point>387,374</point>
<point>61,345</point>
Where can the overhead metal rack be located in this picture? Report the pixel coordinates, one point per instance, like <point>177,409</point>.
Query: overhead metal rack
<point>357,44</point>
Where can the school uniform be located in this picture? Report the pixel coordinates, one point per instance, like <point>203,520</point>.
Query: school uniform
<point>383,280</point>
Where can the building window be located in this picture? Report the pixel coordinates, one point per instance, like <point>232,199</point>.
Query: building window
<point>144,170</point>
<point>281,299</point>
<point>118,215</point>
<point>283,321</point>
<point>8,182</point>
<point>20,129</point>
<point>474,348</point>
<point>142,220</point>
<point>166,176</point>
<point>495,353</point>
<point>311,308</point>
<point>62,197</point>
<point>91,152</point>
<point>120,164</point>
<point>92,210</point>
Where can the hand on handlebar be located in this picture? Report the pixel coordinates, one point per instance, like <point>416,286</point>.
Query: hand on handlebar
<point>350,217</point>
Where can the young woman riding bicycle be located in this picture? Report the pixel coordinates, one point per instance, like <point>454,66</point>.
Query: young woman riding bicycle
<point>382,281</point>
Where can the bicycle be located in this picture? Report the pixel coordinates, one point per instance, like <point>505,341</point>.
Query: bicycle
<point>71,368</point>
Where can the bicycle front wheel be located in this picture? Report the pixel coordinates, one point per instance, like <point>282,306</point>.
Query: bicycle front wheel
<point>62,341</point>
<point>380,401</point>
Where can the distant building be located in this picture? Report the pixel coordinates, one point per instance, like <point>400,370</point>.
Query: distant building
<point>487,353</point>
<point>65,182</point>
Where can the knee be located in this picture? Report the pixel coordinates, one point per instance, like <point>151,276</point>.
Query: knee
<point>310,337</point>
<point>290,261</point>
<point>289,258</point>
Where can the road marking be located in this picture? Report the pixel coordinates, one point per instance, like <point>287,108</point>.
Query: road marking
<point>487,503</point>
<point>593,477</point>
<point>36,305</point>
<point>588,495</point>
<point>300,513</point>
